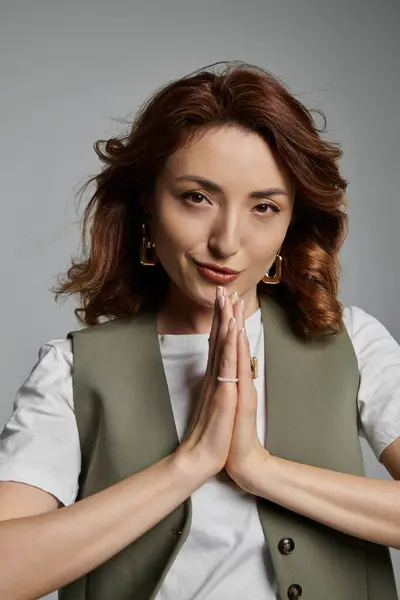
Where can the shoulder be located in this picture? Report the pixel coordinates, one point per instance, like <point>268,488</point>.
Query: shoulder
<point>111,338</point>
<point>355,318</point>
<point>54,354</point>
<point>368,335</point>
<point>378,356</point>
<point>46,392</point>
<point>51,375</point>
<point>60,347</point>
<point>112,326</point>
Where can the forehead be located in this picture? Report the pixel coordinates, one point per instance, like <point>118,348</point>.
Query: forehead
<point>229,156</point>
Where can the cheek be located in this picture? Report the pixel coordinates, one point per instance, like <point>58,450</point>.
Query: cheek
<point>267,240</point>
<point>264,246</point>
<point>173,233</point>
<point>261,254</point>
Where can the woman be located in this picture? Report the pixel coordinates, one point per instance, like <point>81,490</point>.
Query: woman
<point>205,442</point>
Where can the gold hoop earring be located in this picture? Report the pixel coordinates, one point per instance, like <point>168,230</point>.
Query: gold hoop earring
<point>145,246</point>
<point>278,271</point>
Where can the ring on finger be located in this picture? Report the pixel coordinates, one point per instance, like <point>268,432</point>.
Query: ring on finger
<point>227,379</point>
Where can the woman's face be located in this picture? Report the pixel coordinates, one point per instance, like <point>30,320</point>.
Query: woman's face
<point>223,200</point>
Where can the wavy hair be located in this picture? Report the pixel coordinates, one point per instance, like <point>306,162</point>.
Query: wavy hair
<point>109,278</point>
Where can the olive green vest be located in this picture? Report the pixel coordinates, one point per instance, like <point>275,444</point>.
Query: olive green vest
<point>126,424</point>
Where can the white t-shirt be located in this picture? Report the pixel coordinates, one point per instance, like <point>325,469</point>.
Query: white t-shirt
<point>225,555</point>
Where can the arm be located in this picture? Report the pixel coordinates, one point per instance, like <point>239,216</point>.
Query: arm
<point>38,544</point>
<point>362,507</point>
<point>98,526</point>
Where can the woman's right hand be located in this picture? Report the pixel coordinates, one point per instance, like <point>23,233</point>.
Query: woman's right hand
<point>209,434</point>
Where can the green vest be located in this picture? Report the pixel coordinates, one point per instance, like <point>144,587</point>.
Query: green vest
<point>126,424</point>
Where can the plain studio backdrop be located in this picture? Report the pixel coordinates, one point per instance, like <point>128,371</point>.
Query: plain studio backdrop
<point>69,69</point>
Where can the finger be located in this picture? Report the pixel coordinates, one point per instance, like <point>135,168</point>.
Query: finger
<point>221,418</point>
<point>226,314</point>
<point>245,385</point>
<point>214,330</point>
<point>228,362</point>
<point>238,313</point>
<point>206,389</point>
<point>220,291</point>
<point>210,381</point>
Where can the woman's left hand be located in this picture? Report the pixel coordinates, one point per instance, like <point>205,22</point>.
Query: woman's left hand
<point>247,454</point>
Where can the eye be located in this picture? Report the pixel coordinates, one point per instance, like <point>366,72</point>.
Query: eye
<point>264,206</point>
<point>194,197</point>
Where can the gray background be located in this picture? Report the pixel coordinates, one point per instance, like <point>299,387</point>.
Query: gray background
<point>69,68</point>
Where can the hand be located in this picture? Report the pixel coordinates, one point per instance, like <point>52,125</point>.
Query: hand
<point>208,439</point>
<point>246,452</point>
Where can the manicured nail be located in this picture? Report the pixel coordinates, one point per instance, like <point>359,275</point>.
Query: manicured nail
<point>232,323</point>
<point>242,303</point>
<point>235,297</point>
<point>221,301</point>
<point>220,290</point>
<point>243,332</point>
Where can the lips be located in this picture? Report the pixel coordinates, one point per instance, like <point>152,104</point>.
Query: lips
<point>216,274</point>
<point>218,269</point>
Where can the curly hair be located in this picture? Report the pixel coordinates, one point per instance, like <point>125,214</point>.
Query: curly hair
<point>109,278</point>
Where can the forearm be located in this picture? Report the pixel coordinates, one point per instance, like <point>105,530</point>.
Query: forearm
<point>362,507</point>
<point>42,553</point>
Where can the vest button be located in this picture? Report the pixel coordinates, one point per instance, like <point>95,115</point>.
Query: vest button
<point>294,591</point>
<point>286,546</point>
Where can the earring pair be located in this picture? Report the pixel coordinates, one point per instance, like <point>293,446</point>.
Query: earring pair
<point>148,258</point>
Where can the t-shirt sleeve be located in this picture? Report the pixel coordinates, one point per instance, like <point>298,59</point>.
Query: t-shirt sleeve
<point>378,356</point>
<point>39,444</point>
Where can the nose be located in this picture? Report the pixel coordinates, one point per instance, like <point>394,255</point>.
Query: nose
<point>224,240</point>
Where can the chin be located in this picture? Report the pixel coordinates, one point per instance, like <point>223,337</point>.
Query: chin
<point>204,296</point>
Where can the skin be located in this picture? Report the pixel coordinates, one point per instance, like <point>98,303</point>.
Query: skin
<point>228,228</point>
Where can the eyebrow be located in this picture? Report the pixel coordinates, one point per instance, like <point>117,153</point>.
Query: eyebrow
<point>214,187</point>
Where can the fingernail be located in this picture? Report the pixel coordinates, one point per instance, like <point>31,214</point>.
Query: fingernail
<point>235,297</point>
<point>242,303</point>
<point>220,290</point>
<point>243,332</point>
<point>232,323</point>
<point>221,301</point>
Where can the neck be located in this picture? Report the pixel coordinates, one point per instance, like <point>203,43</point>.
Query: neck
<point>180,314</point>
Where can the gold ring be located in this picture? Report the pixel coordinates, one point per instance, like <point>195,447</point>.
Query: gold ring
<point>254,367</point>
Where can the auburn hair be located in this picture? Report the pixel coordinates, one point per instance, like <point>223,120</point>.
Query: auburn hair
<point>109,278</point>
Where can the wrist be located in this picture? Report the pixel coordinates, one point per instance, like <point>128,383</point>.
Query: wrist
<point>254,472</point>
<point>190,467</point>
<point>264,471</point>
